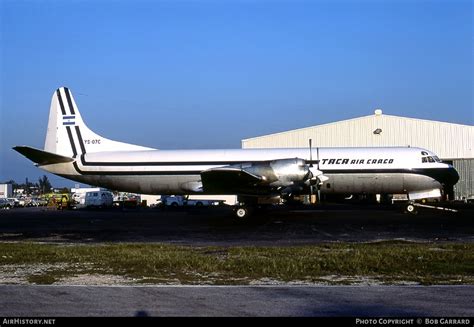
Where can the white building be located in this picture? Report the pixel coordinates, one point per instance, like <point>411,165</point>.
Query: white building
<point>453,143</point>
<point>6,190</point>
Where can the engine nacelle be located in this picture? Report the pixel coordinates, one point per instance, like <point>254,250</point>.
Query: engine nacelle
<point>281,172</point>
<point>290,171</point>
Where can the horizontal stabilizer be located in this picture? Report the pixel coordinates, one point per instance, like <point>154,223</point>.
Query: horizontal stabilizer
<point>41,157</point>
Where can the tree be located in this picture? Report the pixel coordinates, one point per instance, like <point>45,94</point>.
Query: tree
<point>44,185</point>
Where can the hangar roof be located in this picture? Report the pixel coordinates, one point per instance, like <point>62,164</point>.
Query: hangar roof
<point>449,141</point>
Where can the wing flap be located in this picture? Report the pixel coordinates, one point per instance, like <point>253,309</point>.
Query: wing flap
<point>41,157</point>
<point>229,179</point>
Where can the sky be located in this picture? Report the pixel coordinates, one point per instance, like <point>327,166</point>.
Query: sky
<point>207,74</point>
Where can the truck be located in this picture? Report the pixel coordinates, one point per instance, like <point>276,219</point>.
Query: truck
<point>58,201</point>
<point>126,200</point>
<point>181,200</point>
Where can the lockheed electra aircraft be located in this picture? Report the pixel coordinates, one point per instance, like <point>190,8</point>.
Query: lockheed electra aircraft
<point>75,152</point>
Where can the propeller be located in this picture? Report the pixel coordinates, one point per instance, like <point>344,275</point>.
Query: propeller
<point>311,191</point>
<point>317,175</point>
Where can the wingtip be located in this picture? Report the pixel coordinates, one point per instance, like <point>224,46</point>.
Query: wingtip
<point>18,147</point>
<point>21,148</point>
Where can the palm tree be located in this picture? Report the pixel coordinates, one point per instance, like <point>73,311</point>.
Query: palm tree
<point>44,184</point>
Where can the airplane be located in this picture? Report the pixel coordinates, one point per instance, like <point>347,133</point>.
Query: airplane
<point>75,152</point>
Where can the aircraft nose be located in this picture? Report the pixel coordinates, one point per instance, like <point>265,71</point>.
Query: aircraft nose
<point>450,177</point>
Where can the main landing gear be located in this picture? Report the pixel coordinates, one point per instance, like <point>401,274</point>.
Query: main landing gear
<point>246,206</point>
<point>412,208</point>
<point>242,212</point>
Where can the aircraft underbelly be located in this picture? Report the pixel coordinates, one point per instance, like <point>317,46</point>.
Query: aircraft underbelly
<point>389,183</point>
<point>415,182</point>
<point>143,184</point>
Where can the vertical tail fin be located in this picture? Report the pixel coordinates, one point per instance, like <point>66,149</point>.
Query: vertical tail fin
<point>68,135</point>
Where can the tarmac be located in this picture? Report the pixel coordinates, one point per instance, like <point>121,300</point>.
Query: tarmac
<point>236,301</point>
<point>217,226</point>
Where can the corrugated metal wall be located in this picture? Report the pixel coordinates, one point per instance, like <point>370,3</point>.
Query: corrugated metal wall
<point>465,186</point>
<point>448,141</point>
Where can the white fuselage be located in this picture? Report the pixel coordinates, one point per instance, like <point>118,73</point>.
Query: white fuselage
<point>349,170</point>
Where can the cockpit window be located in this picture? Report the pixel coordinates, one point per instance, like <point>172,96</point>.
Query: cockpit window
<point>430,159</point>
<point>424,153</point>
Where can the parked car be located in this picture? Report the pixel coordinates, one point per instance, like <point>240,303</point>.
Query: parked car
<point>469,199</point>
<point>179,200</point>
<point>5,204</point>
<point>14,202</point>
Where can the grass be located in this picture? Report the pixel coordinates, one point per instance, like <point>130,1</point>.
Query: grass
<point>385,262</point>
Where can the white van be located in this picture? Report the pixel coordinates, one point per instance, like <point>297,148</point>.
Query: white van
<point>98,199</point>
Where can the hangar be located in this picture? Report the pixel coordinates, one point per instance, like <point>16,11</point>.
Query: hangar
<point>453,143</point>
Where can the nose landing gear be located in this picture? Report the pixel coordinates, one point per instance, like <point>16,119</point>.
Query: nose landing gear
<point>412,208</point>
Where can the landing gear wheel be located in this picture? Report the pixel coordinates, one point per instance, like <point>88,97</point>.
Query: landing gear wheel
<point>410,208</point>
<point>242,212</point>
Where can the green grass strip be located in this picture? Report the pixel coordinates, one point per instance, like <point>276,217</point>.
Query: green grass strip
<point>335,263</point>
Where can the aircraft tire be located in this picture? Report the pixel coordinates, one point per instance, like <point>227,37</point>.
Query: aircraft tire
<point>242,212</point>
<point>410,208</point>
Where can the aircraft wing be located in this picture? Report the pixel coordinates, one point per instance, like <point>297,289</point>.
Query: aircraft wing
<point>40,157</point>
<point>229,178</point>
